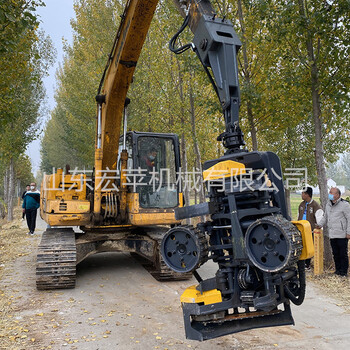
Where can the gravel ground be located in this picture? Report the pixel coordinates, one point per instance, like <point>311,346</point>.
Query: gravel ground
<point>117,304</point>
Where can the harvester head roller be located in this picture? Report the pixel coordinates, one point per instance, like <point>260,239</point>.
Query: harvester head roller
<point>273,243</point>
<point>184,248</point>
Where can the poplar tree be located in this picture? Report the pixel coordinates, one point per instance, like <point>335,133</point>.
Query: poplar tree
<point>26,54</point>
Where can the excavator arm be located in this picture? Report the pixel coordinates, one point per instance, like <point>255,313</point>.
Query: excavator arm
<point>114,86</point>
<point>120,68</point>
<point>216,44</point>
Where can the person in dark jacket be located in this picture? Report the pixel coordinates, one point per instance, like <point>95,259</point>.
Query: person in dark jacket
<point>337,219</point>
<point>307,210</point>
<point>31,203</point>
<point>23,194</point>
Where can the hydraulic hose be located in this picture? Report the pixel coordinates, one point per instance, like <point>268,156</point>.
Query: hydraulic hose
<point>298,299</point>
<point>172,41</point>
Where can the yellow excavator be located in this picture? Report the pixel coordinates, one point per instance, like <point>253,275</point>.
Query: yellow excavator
<point>132,202</point>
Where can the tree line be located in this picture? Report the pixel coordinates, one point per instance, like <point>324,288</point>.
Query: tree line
<point>26,54</point>
<point>294,78</point>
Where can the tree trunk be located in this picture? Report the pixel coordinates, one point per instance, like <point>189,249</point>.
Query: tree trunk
<point>18,191</point>
<point>196,149</point>
<point>185,183</point>
<point>11,191</point>
<point>320,162</point>
<point>247,78</point>
<point>289,208</point>
<point>185,189</point>
<point>6,190</point>
<point>6,187</point>
<point>317,119</point>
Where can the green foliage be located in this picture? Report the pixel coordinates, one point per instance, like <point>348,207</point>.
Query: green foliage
<point>278,40</point>
<point>23,172</point>
<point>22,92</point>
<point>159,93</point>
<point>16,17</point>
<point>26,55</point>
<point>70,134</point>
<point>163,84</point>
<point>325,28</point>
<point>339,171</point>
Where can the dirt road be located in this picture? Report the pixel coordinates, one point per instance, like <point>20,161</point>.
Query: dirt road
<point>117,304</point>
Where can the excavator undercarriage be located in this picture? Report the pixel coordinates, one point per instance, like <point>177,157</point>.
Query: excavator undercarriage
<point>62,249</point>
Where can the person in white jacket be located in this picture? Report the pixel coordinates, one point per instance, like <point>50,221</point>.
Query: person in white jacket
<point>337,218</point>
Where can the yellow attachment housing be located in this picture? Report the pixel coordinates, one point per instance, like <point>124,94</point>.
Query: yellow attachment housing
<point>223,169</point>
<point>308,244</point>
<point>192,295</point>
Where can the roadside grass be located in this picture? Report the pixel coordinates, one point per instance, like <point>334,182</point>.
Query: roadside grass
<point>12,242</point>
<point>336,287</point>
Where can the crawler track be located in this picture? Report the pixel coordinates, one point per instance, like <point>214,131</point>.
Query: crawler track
<point>56,259</point>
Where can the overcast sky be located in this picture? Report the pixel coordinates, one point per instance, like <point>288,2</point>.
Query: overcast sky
<point>55,21</point>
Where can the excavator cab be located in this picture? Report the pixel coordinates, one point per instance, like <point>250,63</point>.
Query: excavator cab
<point>153,167</point>
<point>150,178</point>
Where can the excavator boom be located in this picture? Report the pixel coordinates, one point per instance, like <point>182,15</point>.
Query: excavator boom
<point>120,68</point>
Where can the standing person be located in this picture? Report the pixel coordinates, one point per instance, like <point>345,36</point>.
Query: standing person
<point>307,210</point>
<point>337,218</point>
<point>23,194</point>
<point>31,203</point>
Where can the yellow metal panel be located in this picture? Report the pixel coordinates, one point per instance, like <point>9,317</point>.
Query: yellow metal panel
<point>145,217</point>
<point>308,245</point>
<point>152,218</point>
<point>132,200</point>
<point>181,200</point>
<point>65,219</point>
<point>62,186</point>
<point>63,199</point>
<point>226,168</point>
<point>192,295</point>
<point>98,182</point>
<point>70,206</point>
<point>318,259</point>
